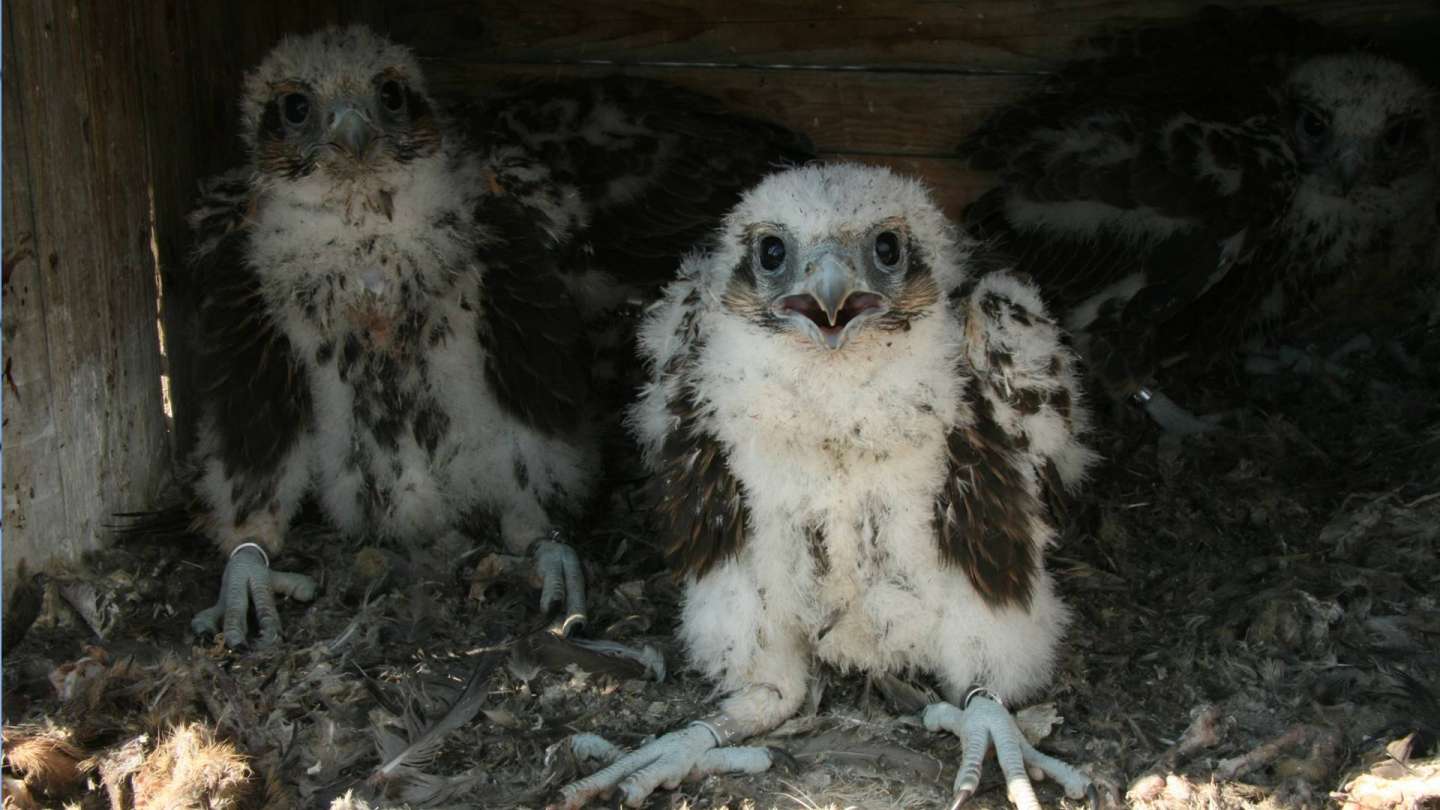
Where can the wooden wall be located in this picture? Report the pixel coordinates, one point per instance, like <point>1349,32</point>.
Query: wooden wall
<point>897,82</point>
<point>84,429</point>
<point>113,112</point>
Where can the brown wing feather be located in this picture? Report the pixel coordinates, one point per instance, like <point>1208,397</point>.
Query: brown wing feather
<point>700,500</point>
<point>985,512</point>
<point>656,165</point>
<point>531,330</point>
<point>996,508</point>
<point>248,375</point>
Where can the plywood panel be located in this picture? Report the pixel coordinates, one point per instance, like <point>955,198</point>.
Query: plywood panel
<point>986,35</point>
<point>84,433</point>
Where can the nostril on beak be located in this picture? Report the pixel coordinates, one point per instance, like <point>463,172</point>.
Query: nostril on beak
<point>350,131</point>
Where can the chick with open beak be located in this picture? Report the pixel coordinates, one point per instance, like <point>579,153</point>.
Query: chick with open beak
<point>830,290</point>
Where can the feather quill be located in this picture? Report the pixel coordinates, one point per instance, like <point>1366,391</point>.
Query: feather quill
<point>401,758</point>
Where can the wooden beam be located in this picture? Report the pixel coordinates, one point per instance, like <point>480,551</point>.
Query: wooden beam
<point>966,35</point>
<point>854,112</point>
<point>84,433</point>
<point>33,492</point>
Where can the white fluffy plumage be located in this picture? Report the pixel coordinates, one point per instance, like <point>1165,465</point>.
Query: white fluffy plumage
<point>383,325</point>
<point>857,475</point>
<point>840,455</point>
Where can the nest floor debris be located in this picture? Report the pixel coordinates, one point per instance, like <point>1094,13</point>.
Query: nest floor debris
<point>1256,624</point>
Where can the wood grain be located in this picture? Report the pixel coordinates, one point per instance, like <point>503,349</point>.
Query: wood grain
<point>112,113</point>
<point>983,35</point>
<point>85,433</point>
<point>851,112</point>
<point>33,493</point>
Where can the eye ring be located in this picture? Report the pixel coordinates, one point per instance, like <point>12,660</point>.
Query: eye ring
<point>887,249</point>
<point>296,107</point>
<point>771,252</point>
<point>392,96</point>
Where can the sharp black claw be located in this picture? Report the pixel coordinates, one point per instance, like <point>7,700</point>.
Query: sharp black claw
<point>961,796</point>
<point>782,759</point>
<point>1092,797</point>
<point>570,623</point>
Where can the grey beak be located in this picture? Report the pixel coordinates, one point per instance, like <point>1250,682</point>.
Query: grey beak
<point>351,131</point>
<point>1349,167</point>
<point>830,281</point>
<point>830,300</point>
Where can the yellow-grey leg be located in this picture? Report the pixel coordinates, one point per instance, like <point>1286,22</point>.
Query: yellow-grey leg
<point>562,577</point>
<point>690,753</point>
<point>1171,416</point>
<point>985,722</point>
<point>248,582</point>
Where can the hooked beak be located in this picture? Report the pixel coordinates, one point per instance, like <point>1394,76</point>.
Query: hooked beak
<point>1349,166</point>
<point>832,301</point>
<point>350,130</point>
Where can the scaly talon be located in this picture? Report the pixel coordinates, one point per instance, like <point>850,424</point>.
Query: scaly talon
<point>983,723</point>
<point>249,583</point>
<point>562,575</point>
<point>687,754</point>
<point>1171,417</point>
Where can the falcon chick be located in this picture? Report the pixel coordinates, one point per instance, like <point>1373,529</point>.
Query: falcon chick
<point>1204,180</point>
<point>854,434</point>
<point>383,328</point>
<point>393,303</point>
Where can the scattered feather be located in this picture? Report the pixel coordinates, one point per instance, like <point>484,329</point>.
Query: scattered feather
<point>190,769</point>
<point>22,605</point>
<point>543,650</point>
<point>402,758</point>
<point>45,759</point>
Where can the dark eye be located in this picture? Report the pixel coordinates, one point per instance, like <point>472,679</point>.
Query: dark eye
<point>772,252</point>
<point>392,96</point>
<point>297,108</point>
<point>1312,125</point>
<point>887,248</point>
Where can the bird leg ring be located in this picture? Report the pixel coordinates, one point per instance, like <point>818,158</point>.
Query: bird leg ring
<point>248,582</point>
<point>983,722</point>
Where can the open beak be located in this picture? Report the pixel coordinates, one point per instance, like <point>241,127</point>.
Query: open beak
<point>350,131</point>
<point>831,301</point>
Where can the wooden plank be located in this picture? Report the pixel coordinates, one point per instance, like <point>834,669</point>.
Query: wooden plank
<point>84,171</point>
<point>112,111</point>
<point>854,112</point>
<point>31,461</point>
<point>984,35</point>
